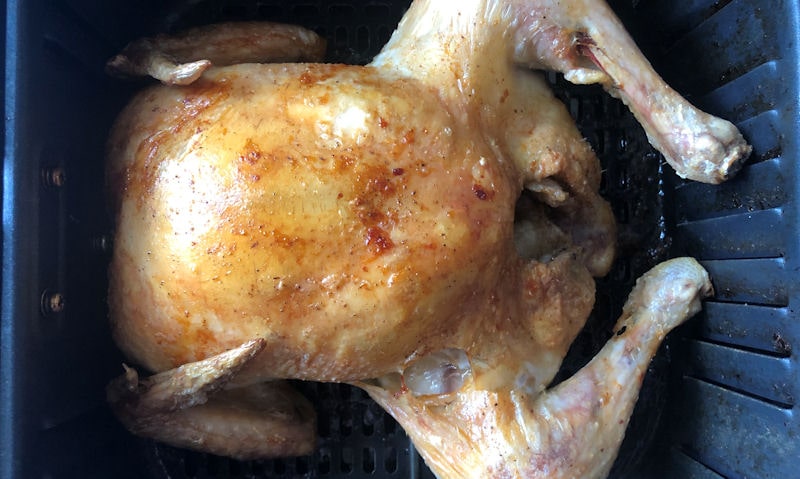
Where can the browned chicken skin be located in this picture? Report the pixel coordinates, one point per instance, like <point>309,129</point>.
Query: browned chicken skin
<point>358,224</point>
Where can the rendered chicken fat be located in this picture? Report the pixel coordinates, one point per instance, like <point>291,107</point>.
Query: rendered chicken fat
<point>426,227</point>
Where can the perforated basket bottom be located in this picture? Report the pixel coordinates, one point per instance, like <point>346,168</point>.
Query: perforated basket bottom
<point>356,437</point>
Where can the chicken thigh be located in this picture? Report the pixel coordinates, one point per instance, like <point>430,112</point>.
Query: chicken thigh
<point>357,224</point>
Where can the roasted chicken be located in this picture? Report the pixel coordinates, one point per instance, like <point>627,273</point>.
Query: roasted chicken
<point>358,224</point>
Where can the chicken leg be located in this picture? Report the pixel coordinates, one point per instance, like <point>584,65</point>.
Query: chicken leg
<point>585,40</point>
<point>582,39</point>
<point>572,430</point>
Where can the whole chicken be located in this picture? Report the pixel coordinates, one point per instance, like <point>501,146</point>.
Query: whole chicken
<point>358,224</point>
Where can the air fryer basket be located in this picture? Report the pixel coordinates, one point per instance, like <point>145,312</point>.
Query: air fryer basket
<point>718,400</point>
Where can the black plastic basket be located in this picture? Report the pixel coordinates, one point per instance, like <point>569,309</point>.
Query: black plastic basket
<point>718,401</point>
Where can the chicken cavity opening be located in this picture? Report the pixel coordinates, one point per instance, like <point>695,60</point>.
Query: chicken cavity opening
<point>535,235</point>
